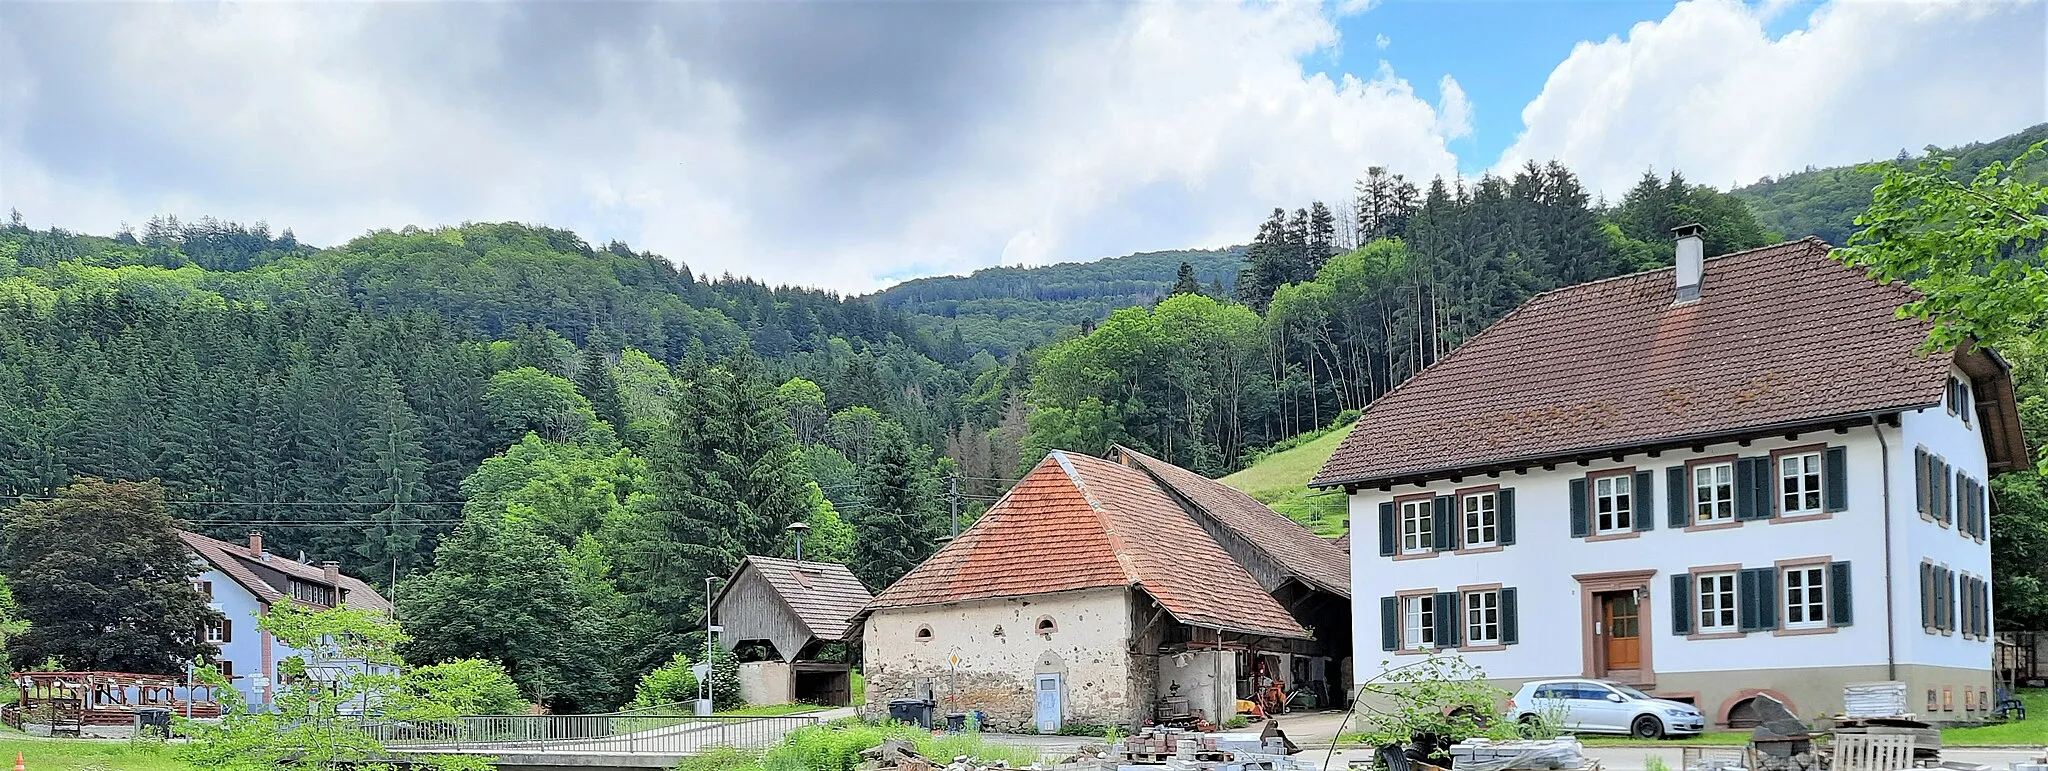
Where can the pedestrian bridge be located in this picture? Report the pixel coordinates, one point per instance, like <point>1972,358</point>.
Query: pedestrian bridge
<point>652,738</point>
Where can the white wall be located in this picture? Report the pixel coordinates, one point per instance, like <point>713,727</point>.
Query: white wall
<point>1545,557</point>
<point>1962,446</point>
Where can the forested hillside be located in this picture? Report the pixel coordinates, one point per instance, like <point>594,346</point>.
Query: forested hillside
<point>1825,202</point>
<point>1006,310</point>
<point>1316,329</point>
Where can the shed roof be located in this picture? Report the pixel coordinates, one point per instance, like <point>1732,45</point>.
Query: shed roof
<point>824,596</point>
<point>1781,336</point>
<point>1077,522</point>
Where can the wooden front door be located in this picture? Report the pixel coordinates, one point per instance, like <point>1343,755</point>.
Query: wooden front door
<point>1621,630</point>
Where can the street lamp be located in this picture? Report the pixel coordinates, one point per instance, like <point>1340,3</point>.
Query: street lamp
<point>710,651</point>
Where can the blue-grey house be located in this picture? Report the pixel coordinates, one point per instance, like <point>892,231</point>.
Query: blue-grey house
<point>242,582</point>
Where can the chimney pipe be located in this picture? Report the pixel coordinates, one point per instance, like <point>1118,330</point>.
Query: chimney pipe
<point>1691,260</point>
<point>256,544</point>
<point>333,571</point>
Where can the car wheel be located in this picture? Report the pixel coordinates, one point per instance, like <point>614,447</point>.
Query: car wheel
<point>1647,727</point>
<point>1530,724</point>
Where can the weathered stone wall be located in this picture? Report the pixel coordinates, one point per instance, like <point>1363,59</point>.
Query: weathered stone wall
<point>999,654</point>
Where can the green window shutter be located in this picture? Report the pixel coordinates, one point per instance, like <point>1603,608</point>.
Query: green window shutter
<point>1841,604</point>
<point>1953,599</point>
<point>1681,604</point>
<point>1835,479</point>
<point>1447,620</point>
<point>1678,509</point>
<point>1505,515</point>
<point>1747,601</point>
<point>1767,610</point>
<point>1920,480</point>
<point>1580,526</point>
<point>1390,530</point>
<point>1510,621</point>
<point>1645,502</point>
<point>1766,487</point>
<point>1940,490</point>
<point>1926,596</point>
<point>1390,623</point>
<point>1745,478</point>
<point>1444,525</point>
<point>1981,511</point>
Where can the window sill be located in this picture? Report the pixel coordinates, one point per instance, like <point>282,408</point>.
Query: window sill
<point>1803,631</point>
<point>1417,556</point>
<point>1482,648</point>
<point>1790,518</point>
<point>1712,526</point>
<point>1487,549</point>
<point>1717,635</point>
<point>1614,536</point>
<point>1418,651</point>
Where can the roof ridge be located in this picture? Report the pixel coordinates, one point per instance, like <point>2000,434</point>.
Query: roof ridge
<point>1109,531</point>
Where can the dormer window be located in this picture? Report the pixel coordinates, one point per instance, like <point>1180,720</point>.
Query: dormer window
<point>1960,401</point>
<point>312,593</point>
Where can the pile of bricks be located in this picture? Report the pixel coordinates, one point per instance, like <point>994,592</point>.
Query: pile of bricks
<point>1171,749</point>
<point>1487,754</point>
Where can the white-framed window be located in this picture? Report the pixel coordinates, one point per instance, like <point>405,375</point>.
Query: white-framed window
<point>1799,483</point>
<point>215,632</point>
<point>1715,598</point>
<point>1806,597</point>
<point>1418,628</point>
<point>1613,504</point>
<point>1417,527</point>
<point>1482,519</point>
<point>1482,617</point>
<point>1713,493</point>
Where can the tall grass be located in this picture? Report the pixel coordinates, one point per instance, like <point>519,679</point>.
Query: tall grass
<point>837,747</point>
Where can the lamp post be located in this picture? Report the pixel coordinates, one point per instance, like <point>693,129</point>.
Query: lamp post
<point>704,705</point>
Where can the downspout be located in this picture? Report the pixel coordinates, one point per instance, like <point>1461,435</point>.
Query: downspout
<point>1891,632</point>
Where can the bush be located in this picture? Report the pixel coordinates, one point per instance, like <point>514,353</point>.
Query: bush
<point>667,684</point>
<point>465,687</point>
<point>725,681</point>
<point>837,747</point>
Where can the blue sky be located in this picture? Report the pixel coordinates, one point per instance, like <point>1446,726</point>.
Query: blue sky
<point>1500,52</point>
<point>852,143</point>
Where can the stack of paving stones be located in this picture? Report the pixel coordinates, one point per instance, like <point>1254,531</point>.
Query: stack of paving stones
<point>1517,754</point>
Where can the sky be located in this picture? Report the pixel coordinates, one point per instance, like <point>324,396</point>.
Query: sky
<point>855,143</point>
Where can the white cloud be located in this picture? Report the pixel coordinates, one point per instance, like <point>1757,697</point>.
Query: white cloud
<point>1173,125</point>
<point>1453,110</point>
<point>1707,91</point>
<point>1381,41</point>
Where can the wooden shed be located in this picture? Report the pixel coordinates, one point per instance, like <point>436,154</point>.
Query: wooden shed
<point>794,608</point>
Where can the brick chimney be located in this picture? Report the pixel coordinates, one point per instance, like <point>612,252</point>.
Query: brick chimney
<point>1691,260</point>
<point>256,544</point>
<point>333,571</point>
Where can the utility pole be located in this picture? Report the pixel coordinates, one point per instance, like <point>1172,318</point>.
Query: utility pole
<point>955,485</point>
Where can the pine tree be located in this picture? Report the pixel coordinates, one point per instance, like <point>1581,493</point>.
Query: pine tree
<point>595,381</point>
<point>897,526</point>
<point>1185,282</point>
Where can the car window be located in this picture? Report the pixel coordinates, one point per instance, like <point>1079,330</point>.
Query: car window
<point>1546,692</point>
<point>1590,692</point>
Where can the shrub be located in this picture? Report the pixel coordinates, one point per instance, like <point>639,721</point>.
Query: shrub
<point>667,684</point>
<point>464,687</point>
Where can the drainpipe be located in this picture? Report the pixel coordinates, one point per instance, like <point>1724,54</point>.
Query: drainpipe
<point>1891,631</point>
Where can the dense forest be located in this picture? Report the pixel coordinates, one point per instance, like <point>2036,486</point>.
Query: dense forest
<point>1825,202</point>
<point>1007,310</point>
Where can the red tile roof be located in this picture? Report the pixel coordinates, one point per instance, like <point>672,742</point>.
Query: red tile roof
<point>1077,522</point>
<point>1308,557</point>
<point>241,566</point>
<point>1781,336</point>
<point>823,595</point>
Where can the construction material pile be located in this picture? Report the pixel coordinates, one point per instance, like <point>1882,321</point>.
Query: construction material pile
<point>1173,749</point>
<point>1518,755</point>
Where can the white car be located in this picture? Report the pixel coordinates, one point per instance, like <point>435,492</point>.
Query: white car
<point>1601,706</point>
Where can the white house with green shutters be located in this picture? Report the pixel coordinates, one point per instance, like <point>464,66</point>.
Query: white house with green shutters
<point>1736,476</point>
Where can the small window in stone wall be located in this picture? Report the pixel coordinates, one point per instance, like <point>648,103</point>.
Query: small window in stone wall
<point>1046,626</point>
<point>924,634</point>
<point>999,630</point>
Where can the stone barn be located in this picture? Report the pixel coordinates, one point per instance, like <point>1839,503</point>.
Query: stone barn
<point>793,609</point>
<point>1110,592</point>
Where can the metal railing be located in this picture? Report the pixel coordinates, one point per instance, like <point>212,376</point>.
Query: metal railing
<point>638,732</point>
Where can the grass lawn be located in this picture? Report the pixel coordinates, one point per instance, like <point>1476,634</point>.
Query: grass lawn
<point>84,754</point>
<point>1280,480</point>
<point>2033,732</point>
